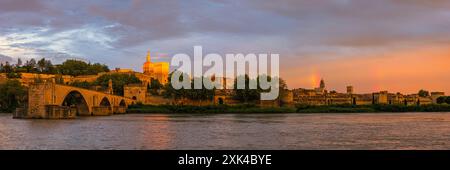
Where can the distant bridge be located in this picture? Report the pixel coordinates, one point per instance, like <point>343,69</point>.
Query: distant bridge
<point>54,101</point>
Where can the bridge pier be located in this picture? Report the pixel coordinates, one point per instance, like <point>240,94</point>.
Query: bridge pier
<point>101,111</point>
<point>60,112</point>
<point>120,109</point>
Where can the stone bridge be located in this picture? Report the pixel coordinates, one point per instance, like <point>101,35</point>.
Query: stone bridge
<point>54,101</point>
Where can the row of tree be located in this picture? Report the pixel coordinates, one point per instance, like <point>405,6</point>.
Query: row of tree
<point>443,99</point>
<point>423,93</point>
<point>245,95</point>
<point>68,67</point>
<point>193,94</point>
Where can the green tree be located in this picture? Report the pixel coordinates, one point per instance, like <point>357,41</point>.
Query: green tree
<point>81,84</point>
<point>283,88</point>
<point>7,68</point>
<point>46,66</point>
<point>154,86</point>
<point>424,93</point>
<point>13,75</point>
<point>251,95</point>
<point>447,100</point>
<point>97,68</point>
<point>199,94</point>
<point>41,65</point>
<point>30,66</point>
<point>170,92</point>
<point>118,81</point>
<point>190,93</point>
<point>441,100</point>
<point>12,95</point>
<point>73,67</point>
<point>246,94</point>
<point>10,71</point>
<point>76,68</point>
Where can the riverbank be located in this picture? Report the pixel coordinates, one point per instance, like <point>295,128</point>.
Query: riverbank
<point>207,109</point>
<point>217,109</point>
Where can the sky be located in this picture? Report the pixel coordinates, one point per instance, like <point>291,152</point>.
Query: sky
<point>395,45</point>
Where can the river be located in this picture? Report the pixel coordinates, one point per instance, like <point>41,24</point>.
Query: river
<point>231,131</point>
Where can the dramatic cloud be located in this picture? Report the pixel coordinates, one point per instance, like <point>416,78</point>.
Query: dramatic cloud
<point>312,37</point>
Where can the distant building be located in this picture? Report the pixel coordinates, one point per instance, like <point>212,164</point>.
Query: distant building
<point>349,89</point>
<point>322,84</point>
<point>122,70</point>
<point>320,96</point>
<point>436,95</point>
<point>380,97</point>
<point>321,89</point>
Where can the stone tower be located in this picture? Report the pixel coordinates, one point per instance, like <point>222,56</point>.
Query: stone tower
<point>110,87</point>
<point>147,68</point>
<point>322,84</point>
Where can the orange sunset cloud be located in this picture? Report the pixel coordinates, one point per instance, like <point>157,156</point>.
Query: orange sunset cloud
<point>406,71</point>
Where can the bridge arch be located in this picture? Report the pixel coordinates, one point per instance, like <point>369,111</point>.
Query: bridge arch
<point>122,103</point>
<point>76,99</point>
<point>105,102</point>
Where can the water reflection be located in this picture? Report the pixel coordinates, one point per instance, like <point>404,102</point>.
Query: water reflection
<point>231,131</point>
<point>155,132</point>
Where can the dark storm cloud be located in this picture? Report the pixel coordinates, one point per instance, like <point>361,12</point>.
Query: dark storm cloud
<point>309,28</point>
<point>348,23</point>
<point>141,21</point>
<point>21,6</point>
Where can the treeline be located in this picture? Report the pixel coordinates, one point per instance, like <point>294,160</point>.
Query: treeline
<point>245,95</point>
<point>12,95</point>
<point>193,94</point>
<point>252,108</point>
<point>68,67</point>
<point>376,108</point>
<point>443,99</point>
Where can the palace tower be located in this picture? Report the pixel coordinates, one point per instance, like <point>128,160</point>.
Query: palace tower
<point>157,70</point>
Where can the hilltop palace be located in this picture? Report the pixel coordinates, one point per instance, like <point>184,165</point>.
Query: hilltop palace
<point>138,93</point>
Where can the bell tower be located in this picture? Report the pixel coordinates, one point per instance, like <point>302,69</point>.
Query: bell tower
<point>147,68</point>
<point>322,84</point>
<point>148,56</point>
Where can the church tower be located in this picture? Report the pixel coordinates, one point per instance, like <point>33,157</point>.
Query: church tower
<point>322,84</point>
<point>147,68</point>
<point>148,56</point>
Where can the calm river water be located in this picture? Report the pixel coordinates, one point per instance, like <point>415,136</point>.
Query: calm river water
<point>231,131</point>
